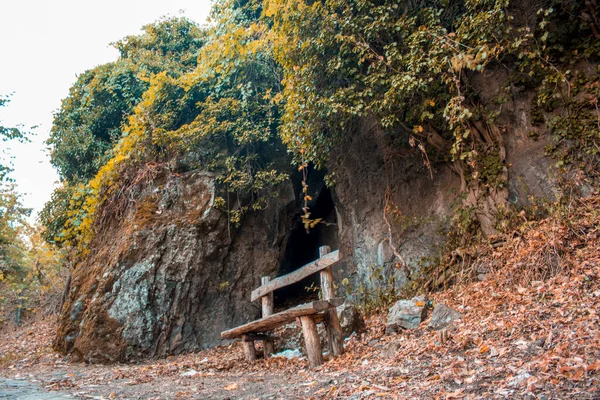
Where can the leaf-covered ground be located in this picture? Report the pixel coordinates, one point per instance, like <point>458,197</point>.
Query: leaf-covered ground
<point>530,330</point>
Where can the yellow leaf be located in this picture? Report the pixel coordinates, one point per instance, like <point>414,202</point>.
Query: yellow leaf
<point>271,8</point>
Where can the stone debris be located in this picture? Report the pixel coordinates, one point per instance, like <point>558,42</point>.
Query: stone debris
<point>407,314</point>
<point>289,354</point>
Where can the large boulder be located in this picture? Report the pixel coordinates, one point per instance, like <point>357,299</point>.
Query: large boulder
<point>407,314</point>
<point>442,316</point>
<point>350,319</point>
<point>166,273</point>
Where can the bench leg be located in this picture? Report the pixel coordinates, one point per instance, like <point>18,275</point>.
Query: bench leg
<point>269,348</point>
<point>334,332</point>
<point>249,349</point>
<point>311,339</point>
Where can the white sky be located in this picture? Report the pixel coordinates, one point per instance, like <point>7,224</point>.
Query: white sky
<point>44,45</point>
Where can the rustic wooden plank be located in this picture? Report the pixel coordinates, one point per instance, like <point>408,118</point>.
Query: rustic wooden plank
<point>324,250</point>
<point>297,275</point>
<point>311,340</point>
<point>335,336</point>
<point>281,318</point>
<point>249,349</point>
<point>333,327</point>
<point>267,309</point>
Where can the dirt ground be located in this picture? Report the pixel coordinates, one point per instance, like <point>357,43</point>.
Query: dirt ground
<point>530,329</point>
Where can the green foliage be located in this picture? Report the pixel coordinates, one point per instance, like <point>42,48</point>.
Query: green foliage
<point>36,283</point>
<point>90,119</point>
<point>219,116</point>
<point>401,64</point>
<point>12,213</point>
<point>570,106</point>
<point>7,134</point>
<point>65,200</point>
<point>408,65</point>
<point>12,231</point>
<point>305,73</point>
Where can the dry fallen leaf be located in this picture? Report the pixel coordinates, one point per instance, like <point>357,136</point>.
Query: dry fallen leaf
<point>232,386</point>
<point>593,367</point>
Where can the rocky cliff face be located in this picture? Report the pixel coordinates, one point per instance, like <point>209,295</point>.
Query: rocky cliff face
<point>384,191</point>
<point>168,276</point>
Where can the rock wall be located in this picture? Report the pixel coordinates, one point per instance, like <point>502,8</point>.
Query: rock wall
<point>383,186</point>
<point>170,274</point>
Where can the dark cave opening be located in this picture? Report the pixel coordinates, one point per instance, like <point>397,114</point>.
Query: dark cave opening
<point>302,247</point>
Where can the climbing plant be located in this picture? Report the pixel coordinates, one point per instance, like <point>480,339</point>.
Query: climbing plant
<point>411,66</point>
<point>91,117</point>
<point>219,116</point>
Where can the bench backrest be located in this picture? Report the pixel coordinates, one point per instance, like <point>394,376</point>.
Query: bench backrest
<point>326,260</point>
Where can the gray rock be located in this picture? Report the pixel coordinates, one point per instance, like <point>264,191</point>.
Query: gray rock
<point>167,276</point>
<point>350,319</point>
<point>407,314</point>
<point>291,337</point>
<point>442,316</point>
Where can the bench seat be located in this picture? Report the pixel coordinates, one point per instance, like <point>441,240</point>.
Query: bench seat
<point>281,318</point>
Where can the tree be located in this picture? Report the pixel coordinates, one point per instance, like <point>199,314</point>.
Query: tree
<point>6,134</point>
<point>12,213</point>
<point>91,118</point>
<point>13,224</point>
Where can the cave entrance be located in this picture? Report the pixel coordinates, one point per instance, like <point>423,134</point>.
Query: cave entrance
<point>302,247</point>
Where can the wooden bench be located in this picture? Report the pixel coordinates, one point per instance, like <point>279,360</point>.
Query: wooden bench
<point>308,315</point>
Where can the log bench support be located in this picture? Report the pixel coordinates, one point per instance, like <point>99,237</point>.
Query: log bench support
<point>249,349</point>
<point>335,336</point>
<point>267,309</point>
<point>312,341</point>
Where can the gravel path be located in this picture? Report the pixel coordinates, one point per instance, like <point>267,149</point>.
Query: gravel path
<point>22,390</point>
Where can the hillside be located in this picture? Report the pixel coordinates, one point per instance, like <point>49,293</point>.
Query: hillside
<point>205,158</point>
<point>530,330</point>
<point>448,149</point>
